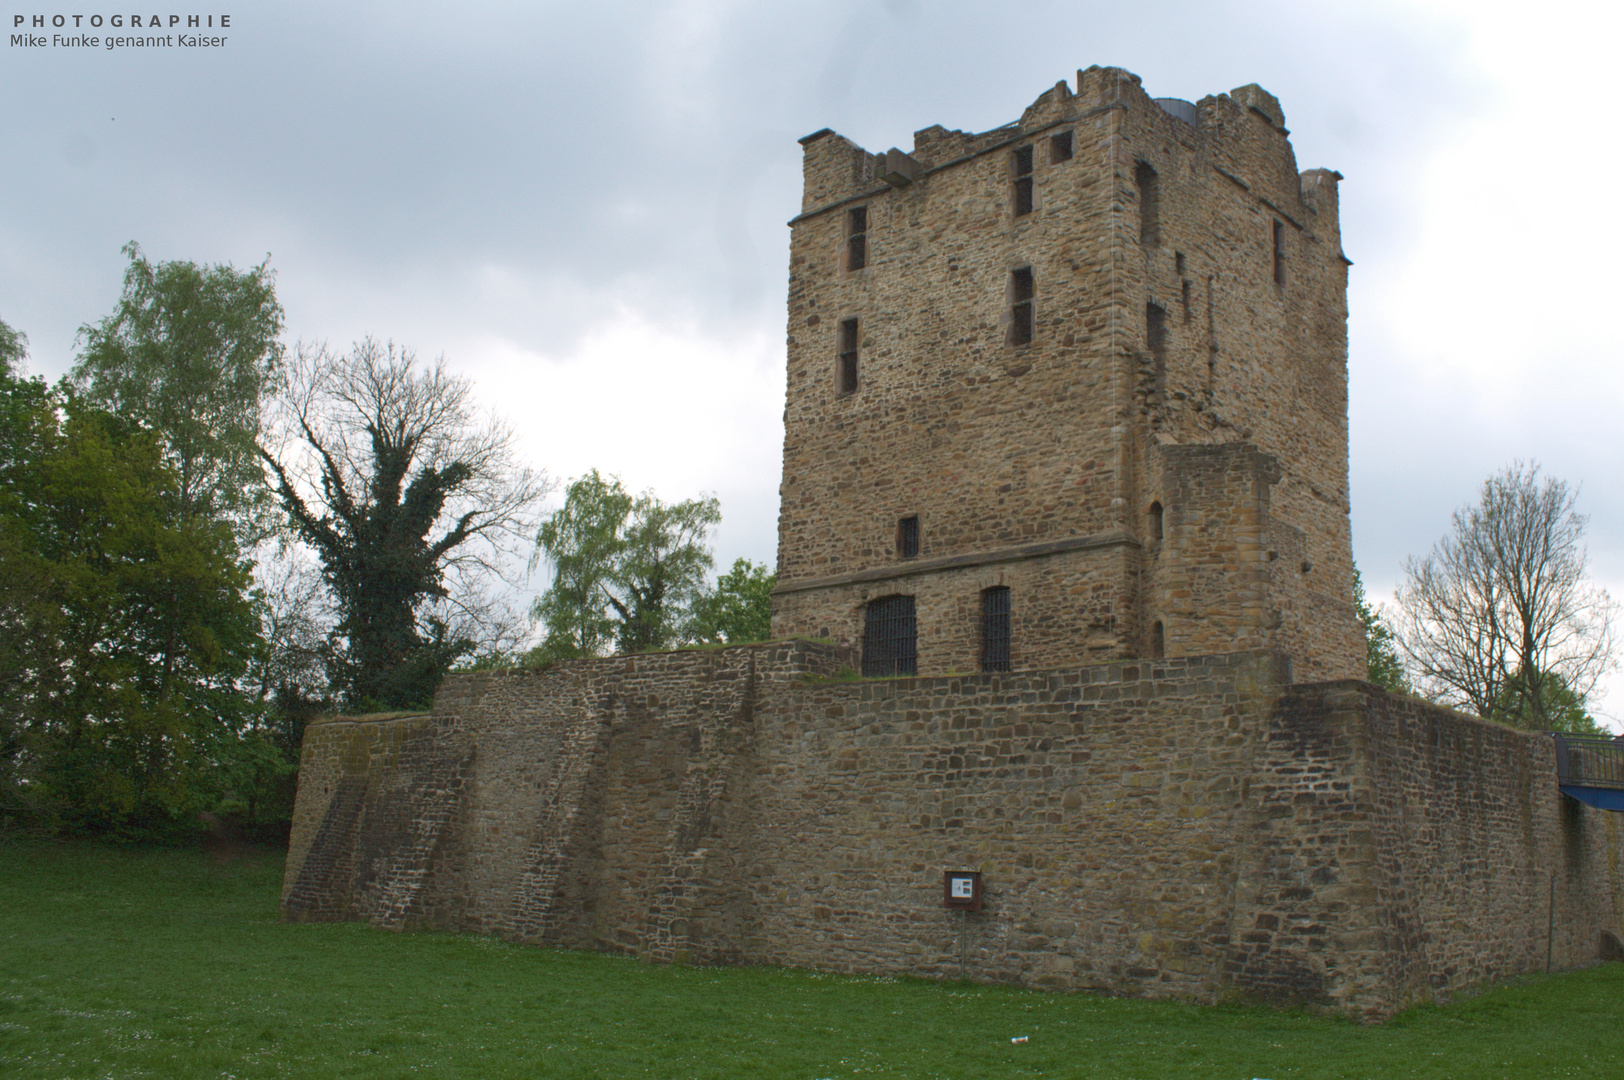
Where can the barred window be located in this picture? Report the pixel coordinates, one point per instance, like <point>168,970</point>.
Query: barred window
<point>890,637</point>
<point>848,356</point>
<point>995,628</point>
<point>1023,181</point>
<point>857,238</point>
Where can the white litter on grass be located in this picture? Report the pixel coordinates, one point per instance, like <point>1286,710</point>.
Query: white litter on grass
<point>1019,1039</point>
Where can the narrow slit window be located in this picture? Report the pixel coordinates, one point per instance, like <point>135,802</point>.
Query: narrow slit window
<point>1023,181</point>
<point>1060,148</point>
<point>848,356</point>
<point>1156,521</point>
<point>1156,342</point>
<point>908,536</point>
<point>1158,641</point>
<point>890,637</point>
<point>1150,228</point>
<point>1184,298</point>
<point>995,628</point>
<point>1022,292</point>
<point>857,238</point>
<point>1279,253</point>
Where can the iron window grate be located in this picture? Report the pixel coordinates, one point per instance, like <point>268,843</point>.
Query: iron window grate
<point>995,628</point>
<point>890,637</point>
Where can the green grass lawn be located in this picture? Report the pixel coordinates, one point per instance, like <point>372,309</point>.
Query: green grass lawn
<point>126,963</point>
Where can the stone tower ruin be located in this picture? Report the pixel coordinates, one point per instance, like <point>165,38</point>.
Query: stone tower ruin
<point>1070,391</point>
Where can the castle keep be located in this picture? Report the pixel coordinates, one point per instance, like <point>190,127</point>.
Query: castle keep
<point>1069,391</point>
<point>1065,476</point>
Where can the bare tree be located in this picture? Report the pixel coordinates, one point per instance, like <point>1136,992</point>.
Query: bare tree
<point>1502,617</point>
<point>411,501</point>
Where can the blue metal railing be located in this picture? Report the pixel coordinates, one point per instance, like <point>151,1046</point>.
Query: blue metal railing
<point>1592,761</point>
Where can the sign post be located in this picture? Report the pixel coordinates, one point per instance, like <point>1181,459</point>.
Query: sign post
<point>961,892</point>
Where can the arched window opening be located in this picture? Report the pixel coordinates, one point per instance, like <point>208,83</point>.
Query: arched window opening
<point>1155,521</point>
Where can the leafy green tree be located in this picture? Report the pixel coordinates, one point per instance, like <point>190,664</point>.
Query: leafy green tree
<point>1563,709</point>
<point>409,501</point>
<point>13,350</point>
<point>128,623</point>
<point>192,352</point>
<point>739,609</point>
<point>583,541</point>
<point>630,569</point>
<point>662,571</point>
<point>1382,664</point>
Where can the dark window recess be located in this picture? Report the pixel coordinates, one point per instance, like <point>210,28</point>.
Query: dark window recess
<point>908,536</point>
<point>1155,521</point>
<point>848,356</point>
<point>1150,227</point>
<point>995,628</point>
<point>1178,263</point>
<point>1158,641</point>
<point>1184,297</point>
<point>1279,253</point>
<point>1023,181</point>
<point>1022,290</point>
<point>1156,342</point>
<point>890,637</point>
<point>1060,148</point>
<point>857,238</point>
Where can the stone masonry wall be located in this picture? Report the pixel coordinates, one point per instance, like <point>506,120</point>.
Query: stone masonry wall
<point>1194,827</point>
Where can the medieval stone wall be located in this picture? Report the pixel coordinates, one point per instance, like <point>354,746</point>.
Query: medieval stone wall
<point>1194,827</point>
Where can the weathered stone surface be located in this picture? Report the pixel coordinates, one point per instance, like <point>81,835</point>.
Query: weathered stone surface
<point>1194,827</point>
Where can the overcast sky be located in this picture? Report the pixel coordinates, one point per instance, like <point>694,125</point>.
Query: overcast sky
<point>583,208</point>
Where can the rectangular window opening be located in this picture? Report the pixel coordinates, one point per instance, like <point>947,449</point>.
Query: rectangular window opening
<point>1022,294</point>
<point>1279,253</point>
<point>857,238</point>
<point>1023,181</point>
<point>890,637</point>
<point>908,536</point>
<point>848,356</point>
<point>1156,342</point>
<point>1060,148</point>
<point>1150,229</point>
<point>995,628</point>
